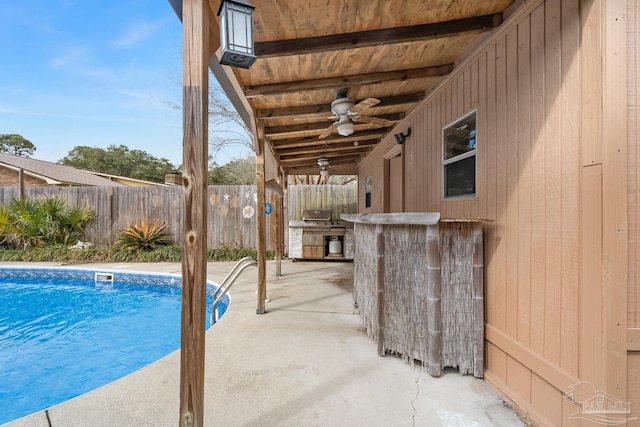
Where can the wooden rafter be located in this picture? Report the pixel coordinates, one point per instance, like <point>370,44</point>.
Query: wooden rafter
<point>314,129</point>
<point>296,151</point>
<point>270,49</point>
<point>334,149</point>
<point>310,142</point>
<point>282,88</point>
<point>310,161</point>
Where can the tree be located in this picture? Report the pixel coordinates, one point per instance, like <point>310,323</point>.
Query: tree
<point>17,145</point>
<point>119,160</point>
<point>226,128</point>
<point>237,171</point>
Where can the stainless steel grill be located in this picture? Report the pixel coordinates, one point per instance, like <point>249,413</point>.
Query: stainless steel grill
<point>316,215</point>
<point>321,218</point>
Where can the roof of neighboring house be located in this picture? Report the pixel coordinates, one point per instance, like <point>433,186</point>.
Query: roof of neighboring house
<point>129,182</point>
<point>53,173</point>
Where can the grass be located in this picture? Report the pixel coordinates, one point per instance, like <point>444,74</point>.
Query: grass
<point>168,253</point>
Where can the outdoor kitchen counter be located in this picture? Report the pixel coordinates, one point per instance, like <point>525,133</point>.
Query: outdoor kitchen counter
<point>308,224</point>
<point>317,236</point>
<point>418,284</point>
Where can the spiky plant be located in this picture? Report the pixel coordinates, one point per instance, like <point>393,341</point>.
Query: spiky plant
<point>144,235</point>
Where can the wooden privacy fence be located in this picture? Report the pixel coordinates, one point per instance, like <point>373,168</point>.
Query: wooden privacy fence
<point>341,199</point>
<point>232,209</point>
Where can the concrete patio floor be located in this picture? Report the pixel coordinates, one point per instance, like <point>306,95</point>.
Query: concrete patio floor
<point>306,362</point>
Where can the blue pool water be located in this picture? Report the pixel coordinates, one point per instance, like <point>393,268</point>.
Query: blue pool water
<point>62,333</point>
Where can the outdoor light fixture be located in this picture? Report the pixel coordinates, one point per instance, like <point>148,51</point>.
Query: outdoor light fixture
<point>323,162</point>
<point>236,33</point>
<point>345,127</point>
<point>401,137</point>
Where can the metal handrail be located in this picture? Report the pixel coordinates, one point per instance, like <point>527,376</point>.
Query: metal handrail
<point>228,281</point>
<point>233,270</point>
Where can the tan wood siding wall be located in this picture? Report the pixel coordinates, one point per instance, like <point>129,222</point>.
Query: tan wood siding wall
<point>633,85</point>
<point>633,159</point>
<point>546,186</point>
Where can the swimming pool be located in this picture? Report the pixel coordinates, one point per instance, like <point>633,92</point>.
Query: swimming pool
<point>65,332</point>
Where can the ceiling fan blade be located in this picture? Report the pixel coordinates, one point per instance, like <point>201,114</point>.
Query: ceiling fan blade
<point>328,131</point>
<point>373,121</point>
<point>298,119</point>
<point>363,105</point>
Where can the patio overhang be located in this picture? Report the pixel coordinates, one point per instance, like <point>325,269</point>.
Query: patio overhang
<point>309,53</point>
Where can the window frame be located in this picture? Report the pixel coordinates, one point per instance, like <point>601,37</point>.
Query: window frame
<point>463,156</point>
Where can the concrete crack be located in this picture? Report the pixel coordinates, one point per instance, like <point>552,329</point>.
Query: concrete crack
<point>48,418</point>
<point>415,411</point>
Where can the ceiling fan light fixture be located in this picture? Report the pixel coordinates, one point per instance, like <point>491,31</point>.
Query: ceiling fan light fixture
<point>345,129</point>
<point>323,162</point>
<point>324,172</point>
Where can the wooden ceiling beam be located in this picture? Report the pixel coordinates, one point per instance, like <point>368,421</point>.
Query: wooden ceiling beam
<point>346,169</point>
<point>324,149</point>
<point>292,151</point>
<point>313,160</point>
<point>322,110</point>
<point>279,133</point>
<point>282,88</point>
<point>308,142</point>
<point>274,48</point>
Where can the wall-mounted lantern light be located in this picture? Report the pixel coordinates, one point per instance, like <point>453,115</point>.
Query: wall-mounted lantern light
<point>236,33</point>
<point>401,137</point>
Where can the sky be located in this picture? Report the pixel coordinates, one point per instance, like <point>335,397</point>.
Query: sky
<point>93,73</point>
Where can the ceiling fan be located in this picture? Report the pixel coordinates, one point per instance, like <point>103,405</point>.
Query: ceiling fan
<point>346,113</point>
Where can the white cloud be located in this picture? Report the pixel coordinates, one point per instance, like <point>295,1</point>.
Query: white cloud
<point>138,32</point>
<point>10,110</point>
<point>71,55</point>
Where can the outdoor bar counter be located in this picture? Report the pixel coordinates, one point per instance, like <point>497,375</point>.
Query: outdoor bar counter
<point>418,284</point>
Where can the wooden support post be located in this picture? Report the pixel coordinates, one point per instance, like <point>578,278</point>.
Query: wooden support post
<point>195,155</point>
<point>277,218</point>
<point>478,301</point>
<point>262,228</point>
<point>21,183</point>
<point>285,213</point>
<point>434,316</point>
<point>380,287</point>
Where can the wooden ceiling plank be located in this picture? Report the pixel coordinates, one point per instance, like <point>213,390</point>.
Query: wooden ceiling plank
<point>310,142</point>
<point>312,160</point>
<point>285,151</point>
<point>270,49</point>
<point>281,88</point>
<point>325,149</point>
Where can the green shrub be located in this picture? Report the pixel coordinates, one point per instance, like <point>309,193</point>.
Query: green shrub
<point>42,222</point>
<point>168,253</point>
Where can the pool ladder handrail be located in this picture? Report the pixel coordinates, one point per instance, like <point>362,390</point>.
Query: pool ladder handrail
<point>228,281</point>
